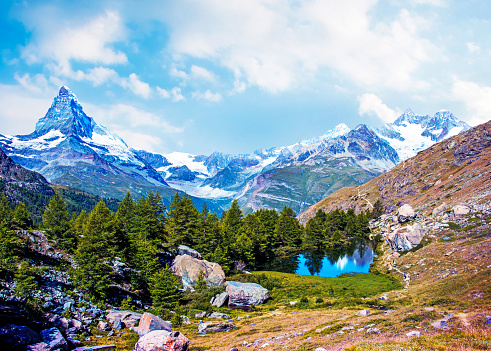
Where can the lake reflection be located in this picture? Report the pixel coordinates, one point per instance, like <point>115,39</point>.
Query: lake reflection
<point>328,263</point>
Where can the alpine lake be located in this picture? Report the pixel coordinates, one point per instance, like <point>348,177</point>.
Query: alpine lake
<point>353,259</point>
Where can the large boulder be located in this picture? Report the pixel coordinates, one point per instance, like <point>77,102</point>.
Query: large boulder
<point>407,237</point>
<point>54,339</point>
<point>13,337</point>
<point>162,340</point>
<point>219,299</point>
<point>461,210</point>
<point>185,250</point>
<point>150,322</point>
<point>128,318</point>
<point>405,213</point>
<point>245,294</point>
<point>438,210</point>
<point>188,268</point>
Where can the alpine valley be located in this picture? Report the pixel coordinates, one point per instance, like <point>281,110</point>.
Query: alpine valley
<point>70,148</point>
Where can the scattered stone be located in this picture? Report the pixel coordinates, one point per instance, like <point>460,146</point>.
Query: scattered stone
<point>185,320</point>
<point>95,348</point>
<point>373,331</point>
<point>18,336</point>
<point>200,315</point>
<point>245,294</point>
<point>413,333</point>
<point>218,315</point>
<point>220,299</point>
<point>54,339</point>
<point>186,250</point>
<point>150,322</point>
<point>429,309</point>
<point>188,268</point>
<point>293,303</point>
<point>363,313</point>
<point>407,238</point>
<point>320,349</point>
<point>103,326</point>
<point>41,346</point>
<point>461,210</point>
<point>205,327</point>
<point>117,323</point>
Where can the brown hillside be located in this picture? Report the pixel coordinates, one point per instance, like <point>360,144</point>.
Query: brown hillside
<point>454,171</point>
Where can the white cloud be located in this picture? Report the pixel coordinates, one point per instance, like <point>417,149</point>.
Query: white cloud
<point>277,45</point>
<point>37,84</point>
<point>61,38</point>
<point>136,86</point>
<point>477,99</point>
<point>202,73</point>
<point>207,95</point>
<point>472,47</point>
<point>140,141</point>
<point>174,72</point>
<point>372,105</point>
<point>162,93</point>
<point>22,106</point>
<point>239,87</point>
<point>177,95</point>
<point>429,2</point>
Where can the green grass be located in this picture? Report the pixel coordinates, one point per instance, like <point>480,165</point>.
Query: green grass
<point>347,290</point>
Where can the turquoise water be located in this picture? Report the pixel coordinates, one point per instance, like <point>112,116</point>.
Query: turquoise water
<point>328,263</point>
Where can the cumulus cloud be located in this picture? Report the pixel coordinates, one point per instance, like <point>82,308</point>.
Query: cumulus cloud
<point>278,46</point>
<point>67,39</point>
<point>372,105</point>
<point>207,95</point>
<point>198,72</point>
<point>477,99</point>
<point>136,86</point>
<point>162,93</point>
<point>472,47</point>
<point>177,95</point>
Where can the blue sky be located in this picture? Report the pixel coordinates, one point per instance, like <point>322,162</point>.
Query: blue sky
<point>238,75</point>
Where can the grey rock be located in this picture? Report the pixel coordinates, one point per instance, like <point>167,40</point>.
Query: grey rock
<point>363,313</point>
<point>200,315</point>
<point>54,339</point>
<point>41,346</point>
<point>104,326</point>
<point>18,336</point>
<point>188,268</point>
<point>220,299</point>
<point>206,327</point>
<point>461,210</point>
<point>405,213</point>
<point>373,331</point>
<point>245,294</point>
<point>159,340</point>
<point>150,322</point>
<point>185,250</point>
<point>128,318</point>
<point>406,238</point>
<point>218,315</point>
<point>72,342</point>
<point>58,322</point>
<point>413,333</point>
<point>185,320</point>
<point>117,323</point>
<point>95,348</point>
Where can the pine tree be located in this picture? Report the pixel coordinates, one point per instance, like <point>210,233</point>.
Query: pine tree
<point>209,233</point>
<point>125,227</point>
<point>5,213</point>
<point>315,231</point>
<point>9,246</point>
<point>164,290</point>
<point>288,230</point>
<point>183,222</point>
<point>232,224</point>
<point>21,218</point>
<point>56,223</point>
<point>26,284</point>
<point>95,250</point>
<point>201,282</point>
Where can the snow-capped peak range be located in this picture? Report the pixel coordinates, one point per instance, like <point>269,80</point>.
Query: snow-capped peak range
<point>68,147</point>
<point>411,133</point>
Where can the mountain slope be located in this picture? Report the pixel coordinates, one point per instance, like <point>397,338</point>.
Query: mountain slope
<point>455,171</point>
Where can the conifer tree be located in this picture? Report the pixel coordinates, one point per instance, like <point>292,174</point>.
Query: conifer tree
<point>95,250</point>
<point>315,230</point>
<point>125,227</point>
<point>5,213</point>
<point>26,284</point>
<point>164,290</point>
<point>56,223</point>
<point>21,218</point>
<point>232,223</point>
<point>183,221</point>
<point>209,233</point>
<point>288,230</point>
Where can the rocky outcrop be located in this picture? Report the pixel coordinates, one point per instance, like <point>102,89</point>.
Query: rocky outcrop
<point>188,268</point>
<point>54,339</point>
<point>150,322</point>
<point>162,340</point>
<point>407,238</point>
<point>405,213</point>
<point>245,294</point>
<point>185,250</point>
